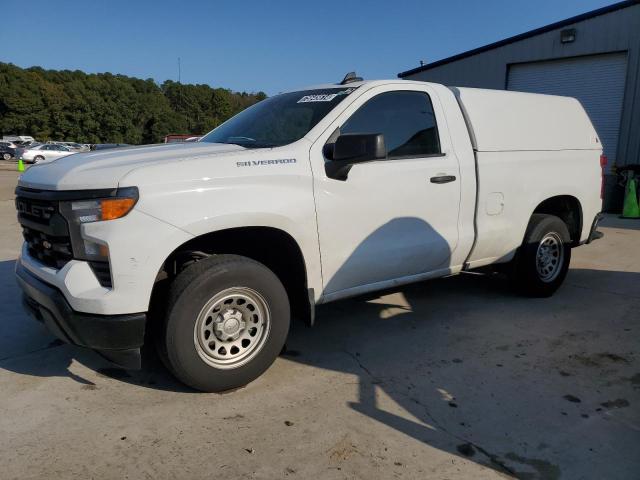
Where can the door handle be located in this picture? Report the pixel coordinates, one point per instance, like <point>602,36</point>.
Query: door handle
<point>443,179</point>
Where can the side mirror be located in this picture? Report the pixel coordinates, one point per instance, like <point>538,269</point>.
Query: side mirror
<point>352,148</point>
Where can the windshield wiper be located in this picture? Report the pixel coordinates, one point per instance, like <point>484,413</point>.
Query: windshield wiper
<point>234,139</point>
<point>258,145</point>
<point>247,142</point>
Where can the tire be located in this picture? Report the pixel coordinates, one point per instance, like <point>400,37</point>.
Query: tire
<point>6,156</point>
<point>37,158</point>
<point>542,261</point>
<point>227,319</point>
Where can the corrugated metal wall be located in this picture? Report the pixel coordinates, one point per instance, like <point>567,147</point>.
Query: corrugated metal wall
<point>617,31</point>
<point>598,81</point>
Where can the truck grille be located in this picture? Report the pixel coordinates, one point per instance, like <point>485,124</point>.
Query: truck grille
<point>45,231</point>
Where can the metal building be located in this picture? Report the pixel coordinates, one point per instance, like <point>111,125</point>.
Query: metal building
<point>594,57</point>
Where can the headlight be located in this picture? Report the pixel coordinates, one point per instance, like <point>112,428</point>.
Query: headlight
<point>98,209</point>
<point>87,211</point>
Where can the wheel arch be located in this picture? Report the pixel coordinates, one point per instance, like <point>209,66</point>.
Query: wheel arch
<point>275,248</point>
<point>569,209</point>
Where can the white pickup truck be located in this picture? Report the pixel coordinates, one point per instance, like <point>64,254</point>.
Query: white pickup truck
<point>307,197</point>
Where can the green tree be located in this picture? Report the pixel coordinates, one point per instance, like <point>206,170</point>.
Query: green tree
<point>106,108</point>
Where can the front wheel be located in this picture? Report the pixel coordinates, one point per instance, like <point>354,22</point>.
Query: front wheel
<point>542,261</point>
<point>226,322</point>
<point>6,156</point>
<point>38,158</point>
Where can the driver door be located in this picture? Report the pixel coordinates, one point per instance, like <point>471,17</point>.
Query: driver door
<point>391,219</point>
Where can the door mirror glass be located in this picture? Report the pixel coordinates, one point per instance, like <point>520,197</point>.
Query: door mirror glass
<point>353,148</point>
<point>359,147</point>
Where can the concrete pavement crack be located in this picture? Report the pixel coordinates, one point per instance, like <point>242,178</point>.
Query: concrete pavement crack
<point>360,364</point>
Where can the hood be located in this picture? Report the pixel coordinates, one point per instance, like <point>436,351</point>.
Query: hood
<point>105,168</point>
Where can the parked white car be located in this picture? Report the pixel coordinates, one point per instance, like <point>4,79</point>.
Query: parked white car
<point>307,197</point>
<point>45,153</point>
<point>17,138</point>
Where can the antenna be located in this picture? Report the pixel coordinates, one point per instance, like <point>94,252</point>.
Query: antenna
<point>179,70</point>
<point>350,78</point>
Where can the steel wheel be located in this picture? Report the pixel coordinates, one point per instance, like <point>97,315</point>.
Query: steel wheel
<point>549,257</point>
<point>232,328</point>
<point>223,301</point>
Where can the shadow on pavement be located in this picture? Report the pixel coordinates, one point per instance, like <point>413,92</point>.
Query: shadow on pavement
<point>21,335</point>
<point>471,366</point>
<point>615,221</point>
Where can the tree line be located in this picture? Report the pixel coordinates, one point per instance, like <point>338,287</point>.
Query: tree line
<point>105,108</point>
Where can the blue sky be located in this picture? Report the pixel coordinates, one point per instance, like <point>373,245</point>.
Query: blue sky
<point>261,45</point>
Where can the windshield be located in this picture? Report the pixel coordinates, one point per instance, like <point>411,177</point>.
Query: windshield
<point>278,120</point>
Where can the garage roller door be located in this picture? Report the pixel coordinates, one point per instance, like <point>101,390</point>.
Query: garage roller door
<point>597,81</point>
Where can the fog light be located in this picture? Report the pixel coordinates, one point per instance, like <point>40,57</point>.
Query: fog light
<point>96,251</point>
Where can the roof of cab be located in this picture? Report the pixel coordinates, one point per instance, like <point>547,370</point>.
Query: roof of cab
<point>365,83</point>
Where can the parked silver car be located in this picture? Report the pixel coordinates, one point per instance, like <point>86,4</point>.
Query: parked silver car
<point>76,147</point>
<point>45,153</point>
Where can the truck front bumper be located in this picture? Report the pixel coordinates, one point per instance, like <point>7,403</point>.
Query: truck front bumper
<point>118,338</point>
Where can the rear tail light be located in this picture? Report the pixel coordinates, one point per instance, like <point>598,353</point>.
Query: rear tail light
<point>603,160</point>
<point>603,165</point>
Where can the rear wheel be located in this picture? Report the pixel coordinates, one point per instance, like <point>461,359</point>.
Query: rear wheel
<point>226,322</point>
<point>542,261</point>
<point>6,156</point>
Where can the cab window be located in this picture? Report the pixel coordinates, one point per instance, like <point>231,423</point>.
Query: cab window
<point>405,118</point>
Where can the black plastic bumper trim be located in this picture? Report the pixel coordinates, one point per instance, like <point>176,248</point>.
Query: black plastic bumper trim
<point>69,195</point>
<point>116,337</point>
<point>594,234</point>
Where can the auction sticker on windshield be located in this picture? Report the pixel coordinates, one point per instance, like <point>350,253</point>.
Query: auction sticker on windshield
<point>324,97</point>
